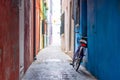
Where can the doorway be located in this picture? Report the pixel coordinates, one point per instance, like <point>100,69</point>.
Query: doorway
<point>21,39</point>
<point>70,25</point>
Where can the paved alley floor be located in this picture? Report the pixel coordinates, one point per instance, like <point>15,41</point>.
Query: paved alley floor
<point>53,64</point>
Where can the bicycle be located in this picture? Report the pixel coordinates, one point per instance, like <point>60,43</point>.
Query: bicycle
<point>80,53</point>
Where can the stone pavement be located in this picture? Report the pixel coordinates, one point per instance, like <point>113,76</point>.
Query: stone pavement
<point>53,64</point>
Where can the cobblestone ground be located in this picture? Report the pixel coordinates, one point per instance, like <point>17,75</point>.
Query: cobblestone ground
<point>53,64</point>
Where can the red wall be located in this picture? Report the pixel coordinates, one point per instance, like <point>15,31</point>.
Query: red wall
<point>29,34</point>
<point>9,40</point>
<point>37,26</point>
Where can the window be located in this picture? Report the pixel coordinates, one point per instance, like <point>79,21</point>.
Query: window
<point>62,24</point>
<point>78,13</point>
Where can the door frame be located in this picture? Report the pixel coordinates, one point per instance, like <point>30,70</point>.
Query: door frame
<point>21,39</point>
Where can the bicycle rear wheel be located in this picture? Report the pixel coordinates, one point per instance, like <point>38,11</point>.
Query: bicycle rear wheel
<point>76,64</point>
<point>78,61</point>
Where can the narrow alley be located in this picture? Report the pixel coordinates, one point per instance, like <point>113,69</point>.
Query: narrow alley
<point>53,64</point>
<point>59,39</point>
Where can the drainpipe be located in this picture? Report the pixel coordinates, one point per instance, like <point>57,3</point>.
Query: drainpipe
<point>34,12</point>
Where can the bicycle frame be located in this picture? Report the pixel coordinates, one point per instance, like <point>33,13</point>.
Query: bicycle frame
<point>80,53</point>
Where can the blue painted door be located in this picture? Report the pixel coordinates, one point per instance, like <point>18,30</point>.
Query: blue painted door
<point>91,28</point>
<point>81,26</point>
<point>77,23</point>
<point>103,39</point>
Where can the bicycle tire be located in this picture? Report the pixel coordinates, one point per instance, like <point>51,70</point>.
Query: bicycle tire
<point>77,62</point>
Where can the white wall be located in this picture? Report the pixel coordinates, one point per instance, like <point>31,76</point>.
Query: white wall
<point>66,10</point>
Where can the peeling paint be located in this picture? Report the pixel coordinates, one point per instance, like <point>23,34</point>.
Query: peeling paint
<point>29,34</point>
<point>9,37</point>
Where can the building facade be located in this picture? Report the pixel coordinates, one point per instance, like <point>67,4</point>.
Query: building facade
<point>49,22</point>
<point>19,36</point>
<point>12,39</point>
<point>99,22</point>
<point>103,39</point>
<point>95,19</point>
<point>67,27</point>
<point>37,25</point>
<point>43,24</point>
<point>9,43</point>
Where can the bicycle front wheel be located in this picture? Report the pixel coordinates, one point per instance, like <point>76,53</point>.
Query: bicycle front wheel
<point>78,61</point>
<point>77,64</point>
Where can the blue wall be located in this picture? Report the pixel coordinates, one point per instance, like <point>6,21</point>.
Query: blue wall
<point>76,29</point>
<point>82,29</point>
<point>104,39</point>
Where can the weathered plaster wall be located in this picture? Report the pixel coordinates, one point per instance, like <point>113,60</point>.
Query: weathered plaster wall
<point>104,39</point>
<point>29,35</point>
<point>9,40</point>
<point>67,39</point>
<point>37,26</point>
